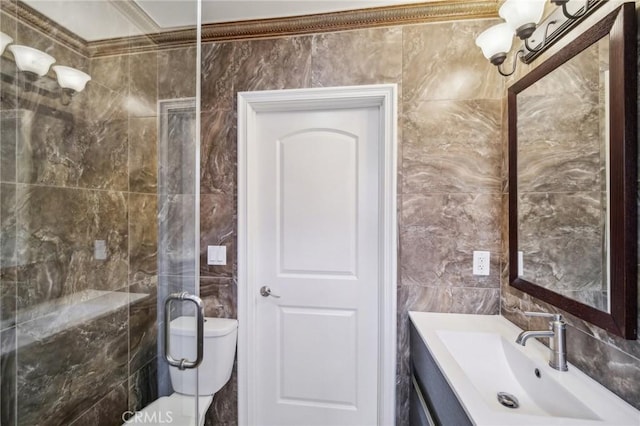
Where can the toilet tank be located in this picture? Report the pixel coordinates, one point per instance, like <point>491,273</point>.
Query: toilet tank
<point>220,335</point>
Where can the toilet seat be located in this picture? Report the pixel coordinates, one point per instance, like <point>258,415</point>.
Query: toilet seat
<point>175,409</point>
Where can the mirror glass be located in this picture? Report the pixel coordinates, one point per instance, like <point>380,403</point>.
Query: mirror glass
<point>572,124</point>
<point>562,172</point>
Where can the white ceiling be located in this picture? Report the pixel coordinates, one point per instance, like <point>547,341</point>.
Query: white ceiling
<point>102,19</point>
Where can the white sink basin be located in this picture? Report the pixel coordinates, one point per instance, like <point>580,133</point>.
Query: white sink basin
<point>479,358</point>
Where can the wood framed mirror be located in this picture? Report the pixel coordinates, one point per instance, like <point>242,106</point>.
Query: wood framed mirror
<point>573,176</point>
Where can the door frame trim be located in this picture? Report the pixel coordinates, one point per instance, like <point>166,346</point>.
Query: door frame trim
<point>383,96</point>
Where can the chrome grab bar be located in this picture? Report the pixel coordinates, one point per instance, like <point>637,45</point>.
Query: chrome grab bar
<point>184,363</point>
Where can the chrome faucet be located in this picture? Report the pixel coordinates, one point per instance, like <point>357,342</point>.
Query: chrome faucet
<point>557,339</point>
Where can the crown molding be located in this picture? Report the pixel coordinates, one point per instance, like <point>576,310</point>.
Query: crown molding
<point>415,13</point>
<point>23,13</point>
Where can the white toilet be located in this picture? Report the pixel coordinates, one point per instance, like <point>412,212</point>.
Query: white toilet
<point>220,335</point>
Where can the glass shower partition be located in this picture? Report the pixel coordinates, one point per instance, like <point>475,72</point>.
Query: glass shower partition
<point>99,207</point>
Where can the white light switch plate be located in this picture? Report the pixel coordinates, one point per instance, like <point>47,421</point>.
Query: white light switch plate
<point>216,255</point>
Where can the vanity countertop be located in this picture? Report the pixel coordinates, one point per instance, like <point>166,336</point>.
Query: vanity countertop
<point>478,357</point>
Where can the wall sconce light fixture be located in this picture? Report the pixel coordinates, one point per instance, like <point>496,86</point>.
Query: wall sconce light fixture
<point>71,78</point>
<point>521,19</point>
<point>35,64</point>
<point>5,40</point>
<point>71,81</point>
<point>31,60</point>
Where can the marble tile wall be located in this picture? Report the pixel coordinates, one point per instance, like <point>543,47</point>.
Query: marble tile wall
<point>610,360</point>
<point>449,198</point>
<point>70,175</point>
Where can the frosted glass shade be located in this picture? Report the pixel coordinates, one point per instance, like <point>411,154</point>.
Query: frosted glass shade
<point>5,40</point>
<point>71,78</point>
<point>32,60</point>
<point>495,40</point>
<point>518,13</point>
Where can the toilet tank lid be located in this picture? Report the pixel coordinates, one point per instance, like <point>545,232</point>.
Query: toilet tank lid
<point>186,326</point>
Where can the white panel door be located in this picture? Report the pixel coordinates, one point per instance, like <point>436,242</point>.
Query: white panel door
<point>316,205</point>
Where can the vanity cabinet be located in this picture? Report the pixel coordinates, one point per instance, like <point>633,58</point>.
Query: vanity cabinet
<point>432,400</point>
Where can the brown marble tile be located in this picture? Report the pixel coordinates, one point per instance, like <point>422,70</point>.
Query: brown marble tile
<point>8,232</point>
<point>281,63</point>
<point>614,369</point>
<point>462,300</point>
<point>143,85</point>
<point>104,105</point>
<point>403,389</point>
<point>143,155</point>
<point>57,228</point>
<point>217,227</point>
<point>8,304</point>
<point>451,146</point>
<point>61,376</point>
<point>10,121</point>
<point>111,72</point>
<point>218,76</point>
<point>8,93</point>
<point>48,148</point>
<point>370,56</point>
<point>219,296</point>
<point>176,235</point>
<point>108,411</point>
<point>177,153</point>
<point>143,386</point>
<point>143,324</point>
<point>440,233</point>
<point>403,349</point>
<point>143,236</point>
<point>8,24</point>
<point>219,153</point>
<point>8,374</point>
<point>224,408</point>
<point>441,61</point>
<point>104,163</point>
<point>177,73</point>
<point>513,304</point>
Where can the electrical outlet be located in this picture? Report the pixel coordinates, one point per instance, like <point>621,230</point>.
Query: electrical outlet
<point>481,262</point>
<point>100,250</point>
